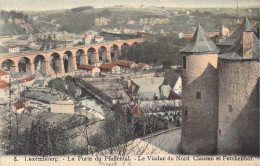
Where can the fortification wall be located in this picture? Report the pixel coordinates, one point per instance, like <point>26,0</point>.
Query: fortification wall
<point>238,127</point>
<point>199,123</point>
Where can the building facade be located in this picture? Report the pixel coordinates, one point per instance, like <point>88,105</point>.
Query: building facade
<point>221,95</point>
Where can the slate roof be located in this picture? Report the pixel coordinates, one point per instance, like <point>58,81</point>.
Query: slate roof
<point>200,43</point>
<point>245,26</point>
<point>171,78</point>
<point>235,52</point>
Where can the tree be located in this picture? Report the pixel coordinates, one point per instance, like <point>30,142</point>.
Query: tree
<point>42,138</point>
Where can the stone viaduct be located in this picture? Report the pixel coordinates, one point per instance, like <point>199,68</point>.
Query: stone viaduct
<point>65,60</point>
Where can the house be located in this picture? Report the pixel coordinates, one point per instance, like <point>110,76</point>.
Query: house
<point>14,49</point>
<point>137,110</point>
<point>4,92</point>
<point>149,89</point>
<point>124,65</point>
<point>20,85</point>
<point>89,37</point>
<point>109,68</point>
<point>173,96</point>
<point>21,106</point>
<point>93,70</point>
<point>125,30</point>
<point>174,80</point>
<point>23,40</point>
<point>4,75</point>
<point>142,66</point>
<point>97,63</point>
<point>118,20</point>
<point>99,39</point>
<point>130,21</point>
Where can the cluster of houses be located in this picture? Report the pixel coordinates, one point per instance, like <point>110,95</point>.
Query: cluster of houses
<point>115,67</point>
<point>157,96</point>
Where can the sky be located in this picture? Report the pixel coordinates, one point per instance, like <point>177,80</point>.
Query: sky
<point>67,4</point>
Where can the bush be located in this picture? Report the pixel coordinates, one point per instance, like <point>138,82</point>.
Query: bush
<point>42,138</point>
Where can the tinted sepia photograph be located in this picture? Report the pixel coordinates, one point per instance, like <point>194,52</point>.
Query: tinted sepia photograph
<point>129,82</point>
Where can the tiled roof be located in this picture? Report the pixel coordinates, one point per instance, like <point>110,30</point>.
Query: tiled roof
<point>141,66</point>
<point>13,46</point>
<point>88,67</point>
<point>29,108</point>
<point>136,110</point>
<point>123,63</point>
<point>174,96</point>
<point>4,84</point>
<point>109,66</point>
<point>200,43</point>
<point>26,79</point>
<point>2,72</point>
<point>20,104</point>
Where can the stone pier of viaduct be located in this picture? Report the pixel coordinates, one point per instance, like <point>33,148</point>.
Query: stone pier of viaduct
<point>66,60</point>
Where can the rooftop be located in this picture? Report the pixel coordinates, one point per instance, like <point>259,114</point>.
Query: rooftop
<point>236,52</point>
<point>245,26</point>
<point>87,67</point>
<point>4,84</point>
<point>26,79</point>
<point>141,65</point>
<point>123,63</point>
<point>171,78</point>
<point>3,73</point>
<point>200,43</point>
<point>109,66</point>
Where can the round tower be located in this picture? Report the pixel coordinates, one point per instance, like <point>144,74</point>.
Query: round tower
<point>200,98</point>
<point>239,72</point>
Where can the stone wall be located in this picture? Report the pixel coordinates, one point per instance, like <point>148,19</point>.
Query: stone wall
<point>238,128</point>
<point>199,123</point>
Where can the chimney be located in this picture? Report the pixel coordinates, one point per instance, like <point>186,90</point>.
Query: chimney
<point>247,44</point>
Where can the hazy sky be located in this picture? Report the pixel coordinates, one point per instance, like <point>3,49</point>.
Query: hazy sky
<point>66,4</point>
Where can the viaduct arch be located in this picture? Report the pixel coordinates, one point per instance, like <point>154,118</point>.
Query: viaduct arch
<point>60,61</point>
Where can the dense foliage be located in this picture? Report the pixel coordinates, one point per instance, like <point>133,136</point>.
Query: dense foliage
<point>161,51</point>
<point>42,138</point>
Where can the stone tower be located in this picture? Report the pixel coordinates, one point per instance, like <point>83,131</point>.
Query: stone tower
<point>200,97</point>
<point>239,72</point>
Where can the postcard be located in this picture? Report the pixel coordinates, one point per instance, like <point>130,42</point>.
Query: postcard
<point>137,82</point>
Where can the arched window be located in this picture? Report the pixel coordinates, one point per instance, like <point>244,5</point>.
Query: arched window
<point>184,62</point>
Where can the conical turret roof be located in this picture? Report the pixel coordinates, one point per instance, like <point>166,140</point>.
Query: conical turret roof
<point>245,26</point>
<point>200,43</point>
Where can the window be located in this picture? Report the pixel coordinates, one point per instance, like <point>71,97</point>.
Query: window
<point>184,62</point>
<point>219,132</point>
<point>230,108</point>
<point>198,95</point>
<point>186,113</point>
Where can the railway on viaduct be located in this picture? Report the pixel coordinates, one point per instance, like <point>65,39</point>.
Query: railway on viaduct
<point>66,60</point>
